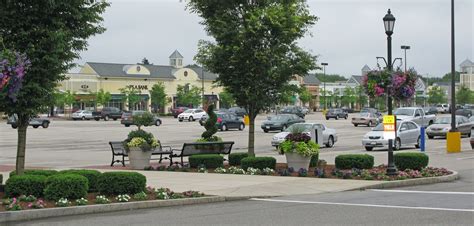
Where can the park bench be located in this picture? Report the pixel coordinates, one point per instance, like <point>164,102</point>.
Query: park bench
<point>189,149</point>
<point>119,150</point>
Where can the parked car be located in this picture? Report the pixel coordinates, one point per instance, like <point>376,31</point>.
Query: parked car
<point>408,133</point>
<point>191,115</point>
<point>226,121</point>
<point>305,110</point>
<point>293,110</point>
<point>107,113</point>
<point>203,119</point>
<point>367,118</point>
<point>82,115</point>
<point>414,114</point>
<point>280,122</point>
<point>443,124</point>
<point>431,110</point>
<point>35,122</point>
<point>178,110</point>
<point>241,112</point>
<point>329,135</point>
<point>127,118</point>
<point>347,109</point>
<point>465,112</point>
<point>442,108</point>
<point>336,113</point>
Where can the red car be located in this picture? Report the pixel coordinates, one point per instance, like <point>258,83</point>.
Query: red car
<point>178,110</point>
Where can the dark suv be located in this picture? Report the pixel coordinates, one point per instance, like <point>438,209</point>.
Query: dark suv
<point>107,113</point>
<point>226,121</point>
<point>127,118</point>
<point>293,110</point>
<point>336,113</point>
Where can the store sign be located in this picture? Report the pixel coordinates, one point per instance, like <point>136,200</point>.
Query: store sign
<point>139,87</point>
<point>389,127</point>
<point>84,87</point>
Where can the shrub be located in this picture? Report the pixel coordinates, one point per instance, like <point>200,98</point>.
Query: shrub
<point>116,183</point>
<point>235,158</point>
<point>414,161</point>
<point>25,185</point>
<point>208,160</point>
<point>45,173</point>
<point>91,175</point>
<point>358,161</point>
<point>258,162</point>
<point>69,186</point>
<point>314,160</point>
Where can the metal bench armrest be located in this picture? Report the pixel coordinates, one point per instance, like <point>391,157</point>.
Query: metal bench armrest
<point>166,148</point>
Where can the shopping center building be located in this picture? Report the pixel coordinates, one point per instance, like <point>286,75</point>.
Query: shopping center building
<point>112,77</point>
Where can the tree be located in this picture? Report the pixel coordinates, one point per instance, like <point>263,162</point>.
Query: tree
<point>464,96</point>
<point>255,51</point>
<point>145,61</point>
<point>210,125</point>
<point>226,99</point>
<point>436,95</point>
<point>304,95</point>
<point>330,78</point>
<point>103,97</point>
<point>131,96</point>
<point>349,97</point>
<point>361,98</point>
<point>51,34</point>
<point>186,96</point>
<point>64,98</point>
<point>158,96</point>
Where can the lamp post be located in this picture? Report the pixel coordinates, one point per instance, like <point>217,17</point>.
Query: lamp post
<point>202,90</point>
<point>389,22</point>
<point>324,82</point>
<point>405,48</point>
<point>453,74</point>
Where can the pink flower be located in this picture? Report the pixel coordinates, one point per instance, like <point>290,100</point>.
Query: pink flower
<point>379,91</point>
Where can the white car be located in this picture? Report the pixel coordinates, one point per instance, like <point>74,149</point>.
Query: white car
<point>191,115</point>
<point>82,115</point>
<point>329,135</point>
<point>408,133</point>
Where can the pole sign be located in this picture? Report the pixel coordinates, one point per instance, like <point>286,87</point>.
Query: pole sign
<point>389,127</point>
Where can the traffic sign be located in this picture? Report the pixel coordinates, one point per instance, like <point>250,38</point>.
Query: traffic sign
<point>388,119</point>
<point>389,126</point>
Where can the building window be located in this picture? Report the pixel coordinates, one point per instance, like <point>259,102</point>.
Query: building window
<point>180,62</point>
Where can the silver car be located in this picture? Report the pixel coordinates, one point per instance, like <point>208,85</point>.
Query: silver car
<point>443,124</point>
<point>329,135</point>
<point>82,115</point>
<point>408,133</point>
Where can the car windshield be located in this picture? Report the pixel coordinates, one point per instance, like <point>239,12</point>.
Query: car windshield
<point>443,120</point>
<point>189,111</point>
<point>364,114</point>
<point>307,127</point>
<point>138,112</point>
<point>402,111</point>
<point>279,118</point>
<point>379,127</point>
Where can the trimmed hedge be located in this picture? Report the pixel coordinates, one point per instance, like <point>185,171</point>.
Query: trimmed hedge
<point>235,158</point>
<point>314,160</point>
<point>358,161</point>
<point>91,175</point>
<point>209,160</point>
<point>258,163</point>
<point>70,186</point>
<point>45,173</point>
<point>25,185</point>
<point>414,161</point>
<point>116,183</point>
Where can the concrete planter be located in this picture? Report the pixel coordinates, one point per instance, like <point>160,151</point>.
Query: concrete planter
<point>297,161</point>
<point>139,159</point>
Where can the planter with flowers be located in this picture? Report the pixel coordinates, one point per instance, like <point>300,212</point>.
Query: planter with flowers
<point>298,148</point>
<point>400,85</point>
<point>140,144</point>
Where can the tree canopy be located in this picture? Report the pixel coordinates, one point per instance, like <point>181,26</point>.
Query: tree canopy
<point>436,95</point>
<point>158,96</point>
<point>187,96</point>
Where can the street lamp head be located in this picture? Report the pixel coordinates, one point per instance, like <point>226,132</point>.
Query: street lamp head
<point>324,64</point>
<point>405,47</point>
<point>389,23</point>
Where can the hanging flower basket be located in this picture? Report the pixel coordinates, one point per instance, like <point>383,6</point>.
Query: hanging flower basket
<point>12,71</point>
<point>398,84</point>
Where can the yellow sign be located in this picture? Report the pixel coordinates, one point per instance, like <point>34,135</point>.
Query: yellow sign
<point>388,119</point>
<point>388,127</point>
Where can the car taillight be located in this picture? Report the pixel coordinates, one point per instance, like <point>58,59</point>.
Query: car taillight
<point>219,120</point>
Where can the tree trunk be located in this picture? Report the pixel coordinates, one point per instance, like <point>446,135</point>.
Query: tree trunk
<point>21,145</point>
<point>251,144</point>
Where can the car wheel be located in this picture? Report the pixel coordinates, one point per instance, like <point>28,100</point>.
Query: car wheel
<point>175,116</point>
<point>223,127</point>
<point>369,124</point>
<point>398,144</point>
<point>369,148</point>
<point>430,122</point>
<point>327,118</point>
<point>330,142</point>
<point>74,119</point>
<point>265,131</point>
<point>14,126</point>
<point>190,118</point>
<point>180,120</point>
<point>36,127</point>
<point>97,119</point>
<point>106,118</point>
<point>417,145</point>
<point>83,118</point>
<point>127,125</point>
<point>158,123</point>
<point>45,125</point>
<point>283,128</point>
<point>241,127</point>
<point>337,117</point>
<point>115,119</point>
<point>430,137</point>
<point>355,125</point>
<point>345,117</point>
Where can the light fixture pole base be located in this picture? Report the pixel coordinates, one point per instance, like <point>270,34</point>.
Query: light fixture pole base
<point>453,142</point>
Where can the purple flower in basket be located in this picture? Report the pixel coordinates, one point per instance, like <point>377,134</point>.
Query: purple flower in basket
<point>379,91</point>
<point>398,80</point>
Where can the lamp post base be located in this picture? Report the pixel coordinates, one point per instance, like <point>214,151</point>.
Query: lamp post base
<point>391,169</point>
<point>453,142</point>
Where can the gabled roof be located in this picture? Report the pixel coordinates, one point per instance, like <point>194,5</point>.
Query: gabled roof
<point>466,63</point>
<point>310,79</point>
<point>175,55</point>
<point>117,70</point>
<point>366,68</point>
<point>356,78</point>
<point>207,75</point>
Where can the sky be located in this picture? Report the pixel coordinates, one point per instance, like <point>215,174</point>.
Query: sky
<point>347,35</point>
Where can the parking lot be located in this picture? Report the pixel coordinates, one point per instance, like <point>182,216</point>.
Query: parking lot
<point>85,143</point>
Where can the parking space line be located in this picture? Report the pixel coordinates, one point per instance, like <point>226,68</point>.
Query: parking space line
<point>364,205</point>
<point>424,192</point>
<point>472,157</point>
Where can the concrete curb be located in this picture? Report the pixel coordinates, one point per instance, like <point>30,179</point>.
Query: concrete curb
<point>413,182</point>
<point>27,215</point>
